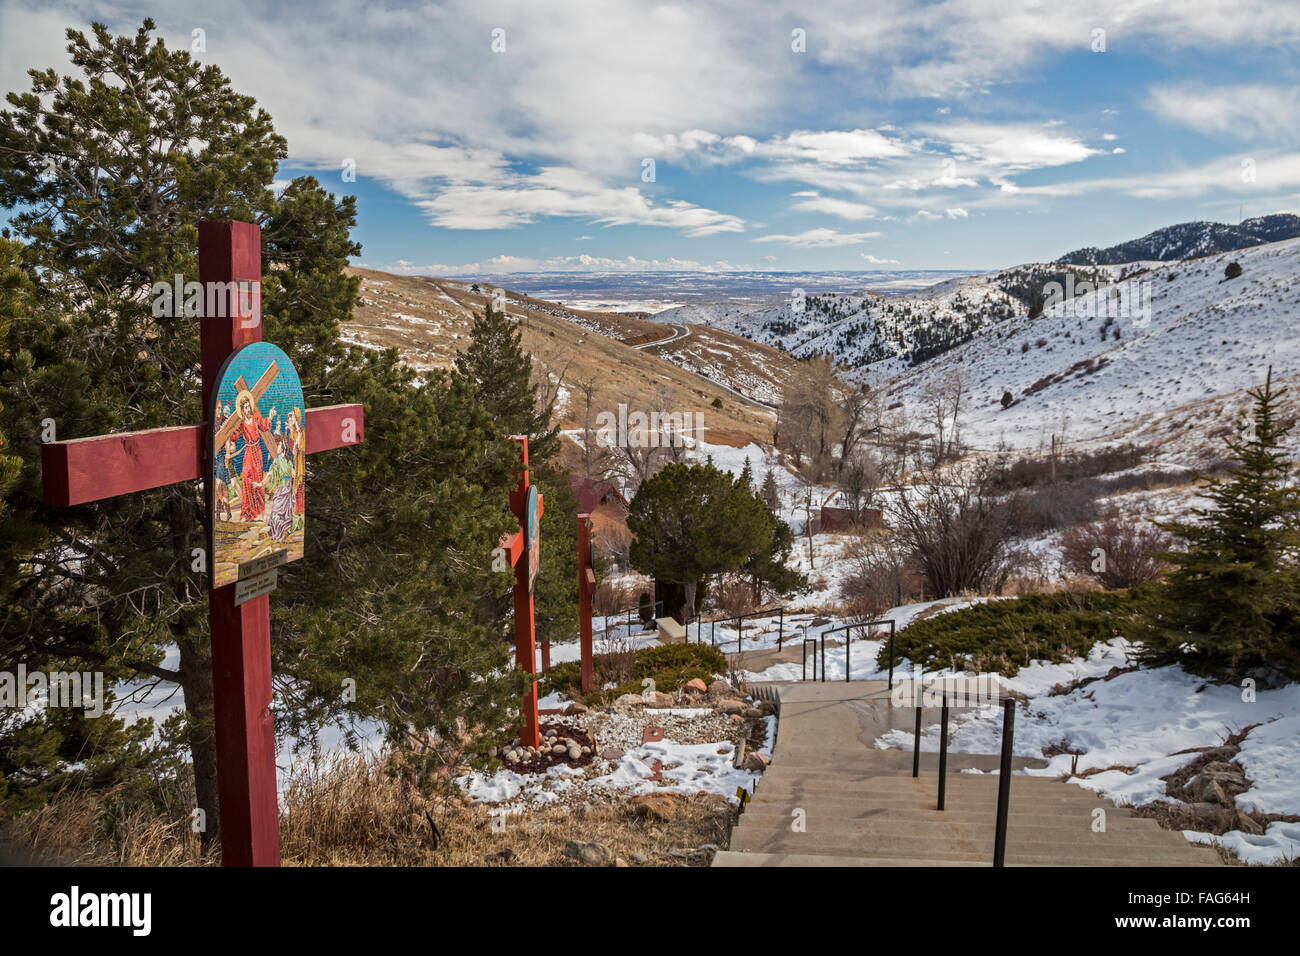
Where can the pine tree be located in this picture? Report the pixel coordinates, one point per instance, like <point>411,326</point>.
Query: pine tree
<point>396,597</point>
<point>1230,608</point>
<point>691,523</point>
<point>495,368</point>
<point>500,371</point>
<point>747,474</point>
<point>769,492</point>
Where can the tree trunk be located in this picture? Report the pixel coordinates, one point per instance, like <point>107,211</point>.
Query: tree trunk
<point>196,682</point>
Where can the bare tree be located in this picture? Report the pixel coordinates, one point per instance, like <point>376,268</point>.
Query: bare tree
<point>1117,553</point>
<point>956,530</point>
<point>882,574</point>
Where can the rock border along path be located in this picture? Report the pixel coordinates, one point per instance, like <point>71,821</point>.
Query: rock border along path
<point>861,806</point>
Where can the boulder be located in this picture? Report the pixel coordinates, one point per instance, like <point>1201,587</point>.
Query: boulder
<point>629,700</point>
<point>655,806</point>
<point>720,689</point>
<point>756,761</point>
<point>753,713</point>
<point>731,706</point>
<point>1247,824</point>
<point>695,686</point>
<point>593,854</point>
<point>611,753</point>
<point>766,708</point>
<point>574,709</point>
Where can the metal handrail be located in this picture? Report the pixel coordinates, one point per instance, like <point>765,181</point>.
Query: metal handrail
<point>848,643</point>
<point>658,612</point>
<point>740,630</point>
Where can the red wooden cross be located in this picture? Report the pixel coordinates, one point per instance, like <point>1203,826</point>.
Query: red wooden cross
<point>91,469</point>
<point>516,548</point>
<point>586,588</point>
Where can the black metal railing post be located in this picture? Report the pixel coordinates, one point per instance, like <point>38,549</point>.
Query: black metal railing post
<point>1004,781</point>
<point>847,645</point>
<point>916,741</point>
<point>943,749</point>
<point>891,654</point>
<point>780,629</point>
<point>823,658</point>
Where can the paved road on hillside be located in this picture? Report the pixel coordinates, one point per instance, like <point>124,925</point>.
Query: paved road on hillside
<point>681,332</point>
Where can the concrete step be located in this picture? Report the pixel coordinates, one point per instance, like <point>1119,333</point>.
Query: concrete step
<point>885,778</point>
<point>897,760</point>
<point>863,833</point>
<point>751,859</point>
<point>926,794</point>
<point>977,851</point>
<point>837,811</point>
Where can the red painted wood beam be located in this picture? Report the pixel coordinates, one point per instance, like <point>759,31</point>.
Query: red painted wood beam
<point>90,469</point>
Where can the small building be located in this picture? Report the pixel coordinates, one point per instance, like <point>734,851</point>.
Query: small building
<point>592,493</point>
<point>835,516</point>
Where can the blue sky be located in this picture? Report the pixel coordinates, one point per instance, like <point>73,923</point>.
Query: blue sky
<point>961,134</point>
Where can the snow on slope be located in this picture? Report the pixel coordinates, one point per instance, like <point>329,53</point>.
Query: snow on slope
<point>1206,338</point>
<point>865,329</point>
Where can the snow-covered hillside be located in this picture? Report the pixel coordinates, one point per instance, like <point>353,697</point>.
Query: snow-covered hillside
<point>1187,240</point>
<point>1158,355</point>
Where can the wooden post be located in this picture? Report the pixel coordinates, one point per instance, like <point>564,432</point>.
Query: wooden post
<point>586,588</point>
<point>231,253</point>
<point>525,625</point>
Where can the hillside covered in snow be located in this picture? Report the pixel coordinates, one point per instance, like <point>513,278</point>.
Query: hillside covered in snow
<point>1163,356</point>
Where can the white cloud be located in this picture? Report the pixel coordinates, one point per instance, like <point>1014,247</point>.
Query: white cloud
<point>1246,111</point>
<point>813,201</point>
<point>819,238</point>
<point>879,262</point>
<point>507,264</point>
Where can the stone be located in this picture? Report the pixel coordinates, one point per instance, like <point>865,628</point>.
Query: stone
<point>611,753</point>
<point>1247,824</point>
<point>753,713</point>
<point>619,861</point>
<point>731,706</point>
<point>575,752</point>
<point>575,708</point>
<point>695,686</point>
<point>629,700</point>
<point>593,854</point>
<point>639,858</point>
<point>657,698</point>
<point>756,761</point>
<point>720,689</point>
<point>766,708</point>
<point>559,749</point>
<point>1207,789</point>
<point>655,806</point>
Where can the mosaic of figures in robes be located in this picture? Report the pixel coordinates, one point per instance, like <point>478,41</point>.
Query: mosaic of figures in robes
<point>259,461</point>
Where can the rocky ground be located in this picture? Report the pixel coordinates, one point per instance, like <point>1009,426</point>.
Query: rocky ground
<point>672,763</point>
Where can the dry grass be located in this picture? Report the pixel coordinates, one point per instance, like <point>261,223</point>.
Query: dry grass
<point>357,812</point>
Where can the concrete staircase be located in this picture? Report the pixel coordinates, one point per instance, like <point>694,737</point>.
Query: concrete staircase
<point>830,798</point>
